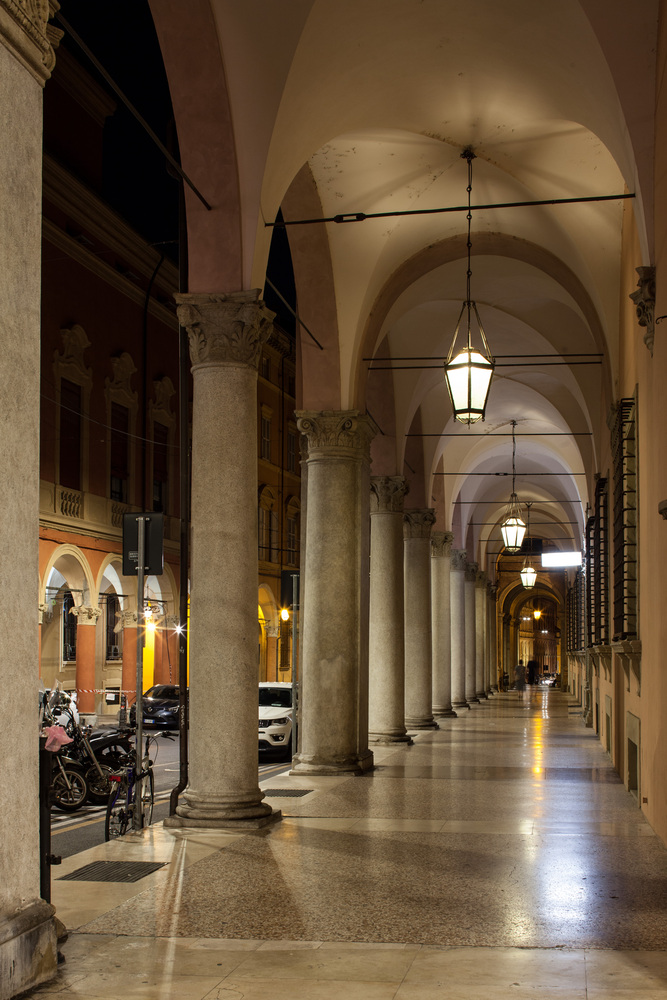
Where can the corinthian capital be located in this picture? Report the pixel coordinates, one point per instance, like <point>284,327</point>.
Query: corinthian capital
<point>644,300</point>
<point>25,31</point>
<point>225,329</point>
<point>86,615</point>
<point>441,543</point>
<point>387,493</point>
<point>481,579</point>
<point>459,560</point>
<point>418,523</point>
<point>472,569</point>
<point>127,619</point>
<point>336,433</point>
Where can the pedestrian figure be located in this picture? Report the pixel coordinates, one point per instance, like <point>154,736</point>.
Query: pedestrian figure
<point>520,679</point>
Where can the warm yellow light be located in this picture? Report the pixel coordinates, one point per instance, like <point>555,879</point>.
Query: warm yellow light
<point>537,614</point>
<point>284,614</point>
<point>151,626</point>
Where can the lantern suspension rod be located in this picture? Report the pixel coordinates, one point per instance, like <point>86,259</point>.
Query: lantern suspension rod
<point>578,354</point>
<point>363,216</point>
<point>491,434</point>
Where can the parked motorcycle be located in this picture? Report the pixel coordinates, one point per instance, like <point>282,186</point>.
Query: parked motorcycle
<point>98,754</point>
<point>82,769</point>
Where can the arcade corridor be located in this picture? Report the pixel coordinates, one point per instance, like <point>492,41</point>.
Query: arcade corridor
<point>500,855</point>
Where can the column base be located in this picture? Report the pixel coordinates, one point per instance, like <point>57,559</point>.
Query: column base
<point>423,723</point>
<point>482,696</point>
<point>444,713</point>
<point>28,949</point>
<point>306,763</point>
<point>460,704</point>
<point>220,812</point>
<point>389,738</point>
<point>473,700</point>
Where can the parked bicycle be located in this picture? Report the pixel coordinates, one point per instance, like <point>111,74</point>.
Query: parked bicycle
<point>121,804</point>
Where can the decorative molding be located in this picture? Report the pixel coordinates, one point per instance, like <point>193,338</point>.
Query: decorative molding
<point>25,31</point>
<point>472,569</point>
<point>644,300</point>
<point>336,433</point>
<point>119,389</point>
<point>388,493</point>
<point>459,560</point>
<point>629,652</point>
<point>481,579</point>
<point>85,615</point>
<point>127,619</point>
<point>418,523</point>
<point>225,329</point>
<point>71,364</point>
<point>441,544</point>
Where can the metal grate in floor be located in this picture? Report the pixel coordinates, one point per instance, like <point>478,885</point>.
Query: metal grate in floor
<point>113,871</point>
<point>288,793</point>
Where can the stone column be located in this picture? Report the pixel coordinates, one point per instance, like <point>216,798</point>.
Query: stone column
<point>471,572</point>
<point>492,634</point>
<point>457,616</point>
<point>226,334</point>
<point>128,685</point>
<point>417,526</point>
<point>508,666</point>
<point>86,620</point>
<point>480,634</point>
<point>27,926</point>
<point>335,597</point>
<point>386,679</point>
<point>441,549</point>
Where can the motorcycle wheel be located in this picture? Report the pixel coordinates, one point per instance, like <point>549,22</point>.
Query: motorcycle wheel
<point>71,798</point>
<point>99,785</point>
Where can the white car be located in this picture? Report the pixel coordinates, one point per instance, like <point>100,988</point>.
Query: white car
<point>275,717</point>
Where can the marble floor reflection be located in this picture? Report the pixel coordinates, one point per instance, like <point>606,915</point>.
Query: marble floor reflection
<point>498,856</point>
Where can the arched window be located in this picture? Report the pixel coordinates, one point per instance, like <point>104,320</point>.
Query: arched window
<point>69,628</point>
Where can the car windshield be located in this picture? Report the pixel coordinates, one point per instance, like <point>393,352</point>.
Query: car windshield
<point>162,691</point>
<point>275,697</point>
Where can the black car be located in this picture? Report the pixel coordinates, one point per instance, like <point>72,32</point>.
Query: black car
<point>160,705</point>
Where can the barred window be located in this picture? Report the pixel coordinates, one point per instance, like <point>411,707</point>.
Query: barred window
<point>625,521</point>
<point>266,438</point>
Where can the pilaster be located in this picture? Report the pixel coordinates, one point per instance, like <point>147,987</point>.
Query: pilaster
<point>441,548</point>
<point>471,572</point>
<point>457,625</point>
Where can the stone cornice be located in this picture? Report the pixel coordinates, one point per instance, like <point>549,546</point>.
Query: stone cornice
<point>225,329</point>
<point>60,239</point>
<point>85,209</point>
<point>418,523</point>
<point>387,494</point>
<point>25,31</point>
<point>459,560</point>
<point>441,544</point>
<point>336,433</point>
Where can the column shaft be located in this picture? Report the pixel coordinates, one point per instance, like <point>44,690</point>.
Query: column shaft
<point>386,680</point>
<point>335,596</point>
<point>226,333</point>
<point>471,633</point>
<point>480,634</point>
<point>457,623</point>
<point>418,643</point>
<point>86,620</point>
<point>441,546</point>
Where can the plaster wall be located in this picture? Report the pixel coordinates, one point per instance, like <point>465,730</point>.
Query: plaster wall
<point>652,419</point>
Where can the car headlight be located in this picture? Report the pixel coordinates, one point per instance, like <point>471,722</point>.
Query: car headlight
<point>279,722</point>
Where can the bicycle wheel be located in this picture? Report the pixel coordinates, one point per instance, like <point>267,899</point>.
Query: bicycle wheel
<point>118,814</point>
<point>147,796</point>
<point>68,789</point>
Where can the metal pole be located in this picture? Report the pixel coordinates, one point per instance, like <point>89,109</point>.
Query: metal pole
<point>138,819</point>
<point>295,632</point>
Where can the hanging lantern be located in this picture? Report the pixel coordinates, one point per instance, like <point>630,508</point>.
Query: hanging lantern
<point>528,577</point>
<point>513,527</point>
<point>468,373</point>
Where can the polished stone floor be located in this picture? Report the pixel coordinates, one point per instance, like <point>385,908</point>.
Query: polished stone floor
<point>500,856</point>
